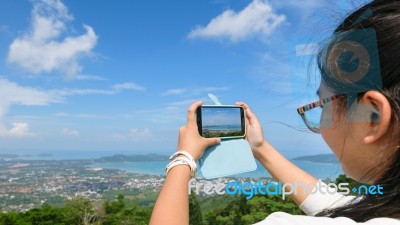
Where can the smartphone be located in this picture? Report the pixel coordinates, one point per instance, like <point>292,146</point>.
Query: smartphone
<point>223,121</point>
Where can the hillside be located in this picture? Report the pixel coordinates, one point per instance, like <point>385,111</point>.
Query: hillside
<point>320,158</point>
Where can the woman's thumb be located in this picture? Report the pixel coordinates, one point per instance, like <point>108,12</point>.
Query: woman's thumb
<point>212,141</point>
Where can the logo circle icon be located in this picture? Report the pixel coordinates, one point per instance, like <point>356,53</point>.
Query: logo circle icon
<point>348,61</point>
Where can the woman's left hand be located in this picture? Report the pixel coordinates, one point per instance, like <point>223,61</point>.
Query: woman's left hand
<point>189,137</point>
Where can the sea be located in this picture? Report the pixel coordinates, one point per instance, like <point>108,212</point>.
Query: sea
<point>319,170</point>
<point>223,127</point>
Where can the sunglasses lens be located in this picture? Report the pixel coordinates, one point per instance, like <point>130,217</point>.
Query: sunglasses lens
<point>312,118</point>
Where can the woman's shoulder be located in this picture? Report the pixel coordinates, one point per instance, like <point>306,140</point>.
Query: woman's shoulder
<point>281,218</point>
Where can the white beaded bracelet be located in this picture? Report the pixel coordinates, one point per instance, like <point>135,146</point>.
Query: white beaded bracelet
<point>182,158</point>
<point>175,163</point>
<point>181,152</point>
<point>192,164</point>
<point>182,161</point>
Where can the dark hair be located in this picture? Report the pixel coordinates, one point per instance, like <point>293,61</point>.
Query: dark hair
<point>385,20</point>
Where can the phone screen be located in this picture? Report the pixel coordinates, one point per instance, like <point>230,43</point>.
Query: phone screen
<point>221,121</point>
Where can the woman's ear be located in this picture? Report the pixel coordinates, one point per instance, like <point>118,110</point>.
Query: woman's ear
<point>379,115</point>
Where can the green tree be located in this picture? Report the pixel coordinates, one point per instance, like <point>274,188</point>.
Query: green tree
<point>115,206</point>
<point>195,214</point>
<point>241,211</point>
<point>47,215</point>
<point>13,218</point>
<point>345,179</point>
<point>121,213</point>
<point>80,211</point>
<point>352,183</point>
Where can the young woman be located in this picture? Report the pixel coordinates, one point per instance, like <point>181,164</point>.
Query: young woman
<point>359,122</point>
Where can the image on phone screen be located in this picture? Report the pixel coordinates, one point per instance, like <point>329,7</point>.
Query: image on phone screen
<point>221,121</point>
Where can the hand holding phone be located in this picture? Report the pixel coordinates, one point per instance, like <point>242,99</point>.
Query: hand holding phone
<point>223,121</point>
<point>189,139</point>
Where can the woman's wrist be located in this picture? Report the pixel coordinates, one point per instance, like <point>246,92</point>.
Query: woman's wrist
<point>180,171</point>
<point>262,151</point>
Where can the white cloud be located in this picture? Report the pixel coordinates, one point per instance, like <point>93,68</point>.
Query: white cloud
<point>83,116</point>
<point>128,86</point>
<point>44,48</point>
<point>186,102</point>
<point>117,137</point>
<point>115,89</point>
<point>88,77</point>
<point>71,92</point>
<point>209,89</point>
<point>19,130</point>
<point>140,135</point>
<point>69,132</point>
<point>134,134</point>
<point>14,94</point>
<point>193,91</point>
<point>169,113</point>
<point>258,18</point>
<point>176,91</point>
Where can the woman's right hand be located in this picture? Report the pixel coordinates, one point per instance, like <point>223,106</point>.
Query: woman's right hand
<point>254,133</point>
<point>189,137</point>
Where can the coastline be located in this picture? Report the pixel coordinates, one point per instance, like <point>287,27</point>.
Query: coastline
<point>317,169</point>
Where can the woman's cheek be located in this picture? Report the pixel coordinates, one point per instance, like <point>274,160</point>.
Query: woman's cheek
<point>334,140</point>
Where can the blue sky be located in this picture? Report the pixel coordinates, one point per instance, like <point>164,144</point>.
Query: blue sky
<point>221,116</point>
<point>119,76</point>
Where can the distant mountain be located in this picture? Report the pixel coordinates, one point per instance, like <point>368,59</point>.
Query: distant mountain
<point>45,155</point>
<point>9,156</point>
<point>320,158</point>
<point>132,158</point>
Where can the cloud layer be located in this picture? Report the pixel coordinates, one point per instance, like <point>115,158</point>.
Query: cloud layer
<point>44,48</point>
<point>257,18</point>
<point>69,132</point>
<point>17,130</point>
<point>14,94</point>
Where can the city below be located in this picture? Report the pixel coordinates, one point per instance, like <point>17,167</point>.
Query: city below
<point>27,183</point>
